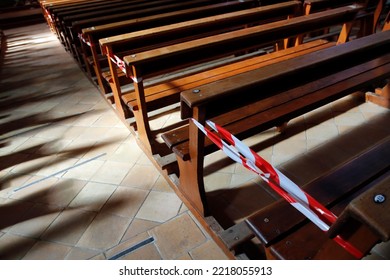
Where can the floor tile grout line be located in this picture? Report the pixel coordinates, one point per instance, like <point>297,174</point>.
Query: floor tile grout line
<point>59,172</point>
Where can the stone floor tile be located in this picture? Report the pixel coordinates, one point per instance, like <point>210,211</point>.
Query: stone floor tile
<point>69,226</point>
<point>159,207</point>
<point>178,236</point>
<point>14,247</point>
<point>208,251</point>
<point>135,177</point>
<point>34,188</point>
<point>138,226</point>
<point>125,201</point>
<point>57,166</point>
<point>62,192</point>
<point>217,180</point>
<point>112,172</point>
<point>84,169</point>
<point>126,152</point>
<point>93,196</point>
<point>77,253</point>
<point>43,250</point>
<point>161,185</point>
<point>36,220</point>
<point>98,237</point>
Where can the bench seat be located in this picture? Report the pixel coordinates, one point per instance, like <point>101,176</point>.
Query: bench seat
<point>340,188</point>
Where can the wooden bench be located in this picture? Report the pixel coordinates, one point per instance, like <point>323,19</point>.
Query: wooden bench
<point>54,11</point>
<point>370,19</point>
<point>357,191</point>
<point>149,64</point>
<point>125,44</point>
<point>286,89</point>
<point>72,25</point>
<point>90,36</point>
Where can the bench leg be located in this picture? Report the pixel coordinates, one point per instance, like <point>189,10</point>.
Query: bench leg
<point>282,127</point>
<point>191,183</point>
<point>381,96</point>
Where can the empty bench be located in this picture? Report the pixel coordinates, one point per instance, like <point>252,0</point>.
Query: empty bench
<point>117,47</point>
<point>97,63</point>
<point>270,96</point>
<point>149,64</point>
<point>72,25</point>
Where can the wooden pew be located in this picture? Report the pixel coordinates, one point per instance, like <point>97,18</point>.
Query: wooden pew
<point>53,10</point>
<point>369,17</point>
<point>350,191</point>
<point>72,25</point>
<point>150,64</point>
<point>128,43</point>
<point>91,35</point>
<point>126,102</point>
<point>286,89</point>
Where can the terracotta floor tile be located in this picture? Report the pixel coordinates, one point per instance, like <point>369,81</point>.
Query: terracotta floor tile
<point>176,237</point>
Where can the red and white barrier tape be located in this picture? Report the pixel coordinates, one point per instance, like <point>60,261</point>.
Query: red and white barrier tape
<point>119,62</point>
<point>83,39</point>
<point>292,193</point>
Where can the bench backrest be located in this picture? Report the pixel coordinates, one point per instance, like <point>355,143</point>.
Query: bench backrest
<point>137,10</point>
<point>94,33</point>
<point>87,7</point>
<point>198,28</point>
<point>174,57</point>
<point>294,72</point>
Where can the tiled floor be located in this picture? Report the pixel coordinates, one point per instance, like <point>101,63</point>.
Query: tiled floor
<point>75,185</point>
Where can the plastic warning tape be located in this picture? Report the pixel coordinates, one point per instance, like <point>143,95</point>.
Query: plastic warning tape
<point>292,193</point>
